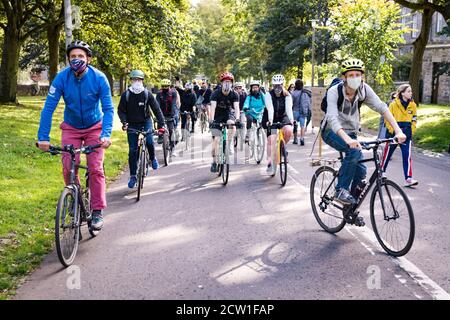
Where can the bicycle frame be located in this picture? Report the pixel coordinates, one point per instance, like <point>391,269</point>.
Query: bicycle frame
<point>376,178</point>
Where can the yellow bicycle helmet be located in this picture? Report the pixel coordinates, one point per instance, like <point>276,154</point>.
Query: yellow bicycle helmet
<point>352,65</point>
<point>165,82</point>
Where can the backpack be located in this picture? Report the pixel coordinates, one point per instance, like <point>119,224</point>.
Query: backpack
<point>340,84</point>
<point>127,97</point>
<point>169,99</point>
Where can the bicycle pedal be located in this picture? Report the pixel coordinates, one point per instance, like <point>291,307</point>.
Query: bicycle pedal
<point>359,222</point>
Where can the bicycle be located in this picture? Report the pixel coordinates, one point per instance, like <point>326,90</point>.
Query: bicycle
<point>279,156</point>
<point>186,134</point>
<point>143,158</point>
<point>257,141</point>
<point>335,216</point>
<point>73,208</point>
<point>223,155</point>
<point>167,148</point>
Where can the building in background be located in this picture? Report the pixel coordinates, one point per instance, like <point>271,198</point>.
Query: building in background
<point>435,88</point>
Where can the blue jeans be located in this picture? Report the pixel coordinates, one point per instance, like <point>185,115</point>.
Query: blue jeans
<point>133,145</point>
<point>300,118</point>
<point>351,170</point>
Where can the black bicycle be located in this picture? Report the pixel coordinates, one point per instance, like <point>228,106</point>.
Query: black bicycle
<point>143,158</point>
<point>391,213</point>
<point>74,207</point>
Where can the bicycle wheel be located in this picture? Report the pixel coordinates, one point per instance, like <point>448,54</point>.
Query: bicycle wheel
<point>260,145</point>
<point>226,165</point>
<point>140,173</point>
<point>67,227</point>
<point>395,232</point>
<point>283,164</point>
<point>166,149</point>
<point>328,214</point>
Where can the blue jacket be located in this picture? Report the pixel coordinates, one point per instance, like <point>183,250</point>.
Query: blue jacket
<point>82,98</point>
<point>256,106</point>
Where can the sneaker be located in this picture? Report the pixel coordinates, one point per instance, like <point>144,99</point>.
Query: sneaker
<point>344,197</point>
<point>302,142</point>
<point>132,182</point>
<point>155,164</point>
<point>295,141</point>
<point>213,167</point>
<point>269,169</point>
<point>246,139</point>
<point>410,182</point>
<point>97,220</point>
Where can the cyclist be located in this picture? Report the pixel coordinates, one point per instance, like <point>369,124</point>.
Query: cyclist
<point>253,106</point>
<point>404,110</point>
<point>134,113</point>
<point>223,101</point>
<point>167,100</point>
<point>188,100</point>
<point>341,124</point>
<point>279,109</point>
<point>206,92</point>
<point>82,87</point>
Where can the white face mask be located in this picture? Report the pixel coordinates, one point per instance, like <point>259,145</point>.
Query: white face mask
<point>226,86</point>
<point>354,83</point>
<point>137,86</point>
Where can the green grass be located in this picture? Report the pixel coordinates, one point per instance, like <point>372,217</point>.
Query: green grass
<point>30,183</point>
<point>433,126</point>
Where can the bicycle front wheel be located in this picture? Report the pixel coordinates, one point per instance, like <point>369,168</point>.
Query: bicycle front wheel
<point>141,172</point>
<point>283,164</point>
<point>166,149</point>
<point>225,165</point>
<point>67,227</point>
<point>260,145</point>
<point>328,214</point>
<point>395,227</point>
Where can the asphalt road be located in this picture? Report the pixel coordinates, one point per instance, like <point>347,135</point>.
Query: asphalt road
<point>192,238</point>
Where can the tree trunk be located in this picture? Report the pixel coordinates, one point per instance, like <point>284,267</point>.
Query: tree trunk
<point>53,34</point>
<point>419,49</point>
<point>122,85</point>
<point>10,65</point>
<point>110,78</point>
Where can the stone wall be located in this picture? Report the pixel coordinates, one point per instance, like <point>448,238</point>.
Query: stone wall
<point>435,55</point>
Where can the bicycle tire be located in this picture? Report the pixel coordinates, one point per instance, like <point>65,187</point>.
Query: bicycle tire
<point>226,165</point>
<point>66,255</point>
<point>338,217</point>
<point>410,214</point>
<point>140,173</point>
<point>283,164</point>
<point>165,149</point>
<point>260,146</point>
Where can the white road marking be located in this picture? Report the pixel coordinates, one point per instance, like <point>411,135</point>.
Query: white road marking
<point>417,275</point>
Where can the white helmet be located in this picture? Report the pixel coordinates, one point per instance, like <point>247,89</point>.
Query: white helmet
<point>255,83</point>
<point>238,84</point>
<point>278,79</point>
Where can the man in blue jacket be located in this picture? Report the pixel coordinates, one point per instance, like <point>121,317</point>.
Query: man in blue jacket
<point>82,87</point>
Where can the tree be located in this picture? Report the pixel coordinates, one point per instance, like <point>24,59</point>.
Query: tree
<point>427,8</point>
<point>371,32</point>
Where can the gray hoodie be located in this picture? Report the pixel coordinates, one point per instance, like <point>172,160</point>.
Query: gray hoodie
<point>347,116</point>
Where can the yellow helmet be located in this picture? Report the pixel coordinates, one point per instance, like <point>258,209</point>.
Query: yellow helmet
<point>165,82</point>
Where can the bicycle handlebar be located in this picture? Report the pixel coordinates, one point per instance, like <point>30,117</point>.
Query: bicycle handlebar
<point>54,150</point>
<point>144,133</point>
<point>367,145</point>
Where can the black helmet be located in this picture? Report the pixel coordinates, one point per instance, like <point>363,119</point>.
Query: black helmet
<point>78,44</point>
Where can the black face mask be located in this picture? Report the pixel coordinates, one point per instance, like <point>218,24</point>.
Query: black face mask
<point>255,93</point>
